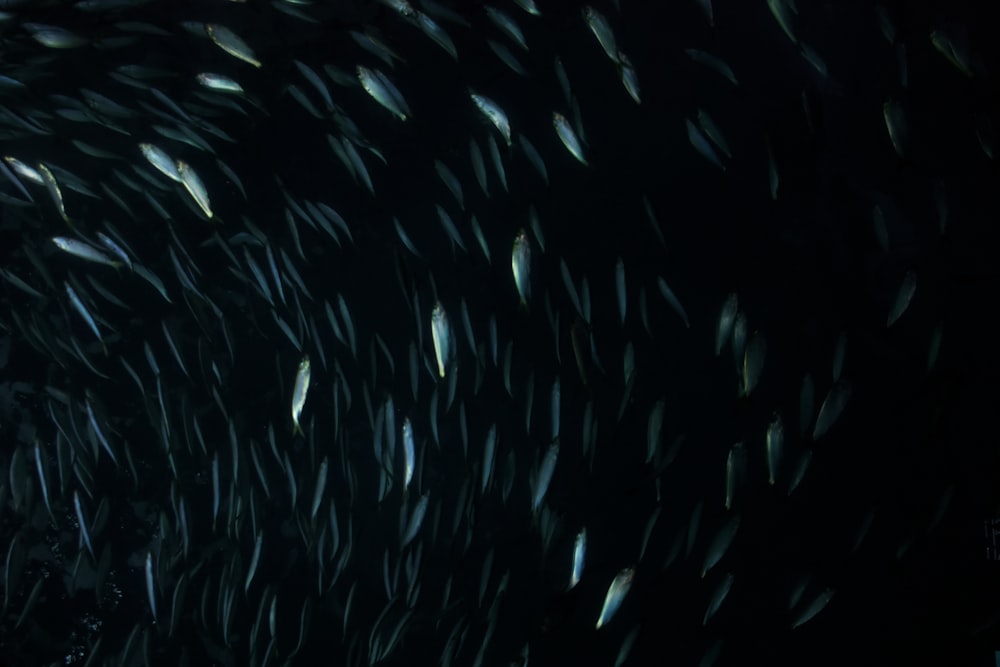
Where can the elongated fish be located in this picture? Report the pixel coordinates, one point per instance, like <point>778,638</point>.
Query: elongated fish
<point>163,163</point>
<point>383,91</point>
<point>602,30</point>
<point>493,111</point>
<point>77,304</point>
<point>300,392</point>
<point>231,43</point>
<point>616,593</point>
<point>150,587</point>
<point>579,556</point>
<point>441,333</point>
<point>194,186</point>
<point>568,137</point>
<point>521,264</point>
<point>83,251</point>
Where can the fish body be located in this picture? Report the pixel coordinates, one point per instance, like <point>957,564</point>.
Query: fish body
<point>231,43</point>
<point>299,393</point>
<point>579,555</point>
<point>84,251</point>
<point>163,163</point>
<point>616,593</point>
<point>441,334</point>
<point>568,137</point>
<point>383,91</point>
<point>195,187</point>
<point>521,265</point>
<point>496,115</point>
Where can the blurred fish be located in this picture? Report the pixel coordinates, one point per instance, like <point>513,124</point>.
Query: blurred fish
<point>300,392</point>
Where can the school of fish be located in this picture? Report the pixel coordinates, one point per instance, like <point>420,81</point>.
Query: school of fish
<point>272,394</point>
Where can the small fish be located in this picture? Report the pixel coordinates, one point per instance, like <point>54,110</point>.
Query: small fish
<point>383,91</point>
<point>521,264</point>
<point>52,185</point>
<point>813,608</point>
<point>774,445</point>
<point>713,62</point>
<point>616,593</point>
<point>165,164</point>
<point>895,124</point>
<point>54,37</point>
<point>119,252</point>
<point>832,407</point>
<point>720,544</point>
<point>408,453</point>
<point>150,589</point>
<point>84,533</point>
<point>231,43</point>
<point>74,299</point>
<point>493,111</point>
<point>300,392</point>
<point>219,83</point>
<point>629,78</point>
<point>954,50</point>
<point>324,467</point>
<point>441,333</point>
<point>25,171</point>
<point>528,6</point>
<point>506,24</point>
<point>194,186</point>
<point>579,554</point>
<point>727,318</point>
<point>568,137</point>
<point>713,132</point>
<point>702,145</point>
<point>904,296</point>
<point>602,30</point>
<point>783,10</point>
<point>83,251</point>
<point>546,469</point>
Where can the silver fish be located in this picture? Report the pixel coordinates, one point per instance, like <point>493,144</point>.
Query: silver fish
<point>568,137</point>
<point>616,593</point>
<point>521,265</point>
<point>441,333</point>
<point>300,392</point>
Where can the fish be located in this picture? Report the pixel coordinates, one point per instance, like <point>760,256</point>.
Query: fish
<point>84,251</point>
<point>579,557</point>
<point>494,113</point>
<point>409,453</point>
<point>629,78</point>
<point>80,308</point>
<point>192,183</point>
<point>521,266</point>
<point>613,599</point>
<point>231,43</point>
<point>300,392</point>
<point>895,124</point>
<point>599,25</point>
<point>775,444</point>
<point>161,161</point>
<point>568,137</point>
<point>907,288</point>
<point>832,407</point>
<point>150,585</point>
<point>219,82</point>
<point>383,91</point>
<point>441,334</point>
